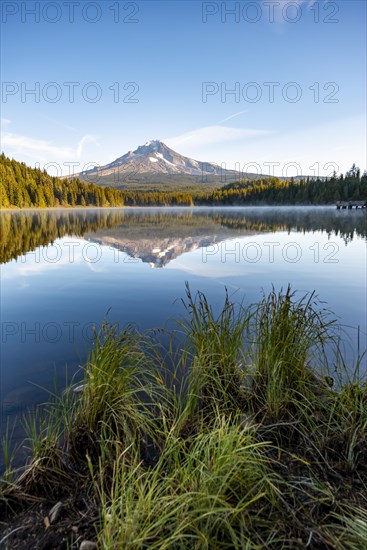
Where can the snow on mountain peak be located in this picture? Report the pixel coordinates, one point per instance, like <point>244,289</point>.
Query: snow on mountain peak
<point>152,143</point>
<point>156,157</point>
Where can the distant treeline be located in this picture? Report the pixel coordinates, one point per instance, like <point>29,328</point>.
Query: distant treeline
<point>24,187</point>
<point>351,186</point>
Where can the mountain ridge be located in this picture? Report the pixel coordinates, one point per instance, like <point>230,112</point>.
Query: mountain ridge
<point>155,162</point>
<point>156,156</point>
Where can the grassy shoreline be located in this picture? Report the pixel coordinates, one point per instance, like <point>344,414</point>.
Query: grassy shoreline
<point>226,438</point>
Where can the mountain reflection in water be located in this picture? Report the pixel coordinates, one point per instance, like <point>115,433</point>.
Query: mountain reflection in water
<point>158,235</point>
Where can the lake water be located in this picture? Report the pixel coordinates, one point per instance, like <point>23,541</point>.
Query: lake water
<point>65,271</point>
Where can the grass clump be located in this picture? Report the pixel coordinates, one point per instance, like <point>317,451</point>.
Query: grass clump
<point>288,333</point>
<point>227,438</point>
<point>195,495</point>
<point>214,355</point>
<point>111,405</point>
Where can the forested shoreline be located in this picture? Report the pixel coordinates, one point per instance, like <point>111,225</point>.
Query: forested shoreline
<point>25,187</point>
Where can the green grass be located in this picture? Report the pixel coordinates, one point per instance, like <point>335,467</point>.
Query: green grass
<point>226,438</point>
<point>288,334</point>
<point>196,493</point>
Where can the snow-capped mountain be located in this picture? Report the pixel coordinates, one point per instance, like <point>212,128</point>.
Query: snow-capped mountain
<point>152,158</point>
<point>155,156</point>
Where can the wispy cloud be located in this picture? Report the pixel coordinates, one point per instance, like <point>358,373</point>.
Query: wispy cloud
<point>41,150</point>
<point>59,123</point>
<point>281,5</point>
<point>89,138</point>
<point>306,3</point>
<point>215,134</point>
<point>232,116</point>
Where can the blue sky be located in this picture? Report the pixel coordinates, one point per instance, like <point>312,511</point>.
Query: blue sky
<point>165,70</point>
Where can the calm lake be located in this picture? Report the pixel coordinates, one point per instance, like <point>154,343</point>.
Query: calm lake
<point>65,271</point>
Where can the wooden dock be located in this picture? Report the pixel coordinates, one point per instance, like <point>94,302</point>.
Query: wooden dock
<point>351,204</point>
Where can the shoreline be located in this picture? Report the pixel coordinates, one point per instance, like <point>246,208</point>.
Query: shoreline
<point>67,208</point>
